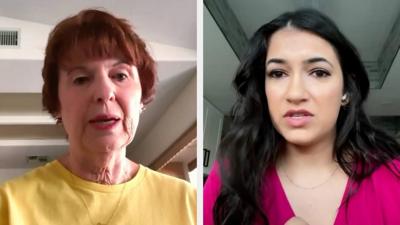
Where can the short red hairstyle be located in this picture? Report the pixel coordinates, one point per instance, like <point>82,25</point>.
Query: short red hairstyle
<point>94,34</point>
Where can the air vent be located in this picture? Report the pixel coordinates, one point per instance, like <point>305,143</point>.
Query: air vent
<point>37,159</point>
<point>9,38</point>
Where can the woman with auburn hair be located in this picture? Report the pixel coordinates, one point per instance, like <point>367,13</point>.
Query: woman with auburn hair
<point>301,149</point>
<point>98,76</point>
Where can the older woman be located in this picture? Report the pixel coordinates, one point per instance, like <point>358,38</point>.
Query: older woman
<point>301,149</point>
<point>98,77</point>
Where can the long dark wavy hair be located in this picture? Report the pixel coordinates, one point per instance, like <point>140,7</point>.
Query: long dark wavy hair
<point>251,146</point>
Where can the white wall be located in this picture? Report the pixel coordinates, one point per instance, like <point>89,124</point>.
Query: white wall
<point>33,39</point>
<point>177,119</point>
<point>220,65</point>
<point>212,130</point>
<point>6,174</point>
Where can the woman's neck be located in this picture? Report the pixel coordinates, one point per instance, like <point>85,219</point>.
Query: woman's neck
<point>103,168</point>
<point>316,155</point>
<point>311,159</point>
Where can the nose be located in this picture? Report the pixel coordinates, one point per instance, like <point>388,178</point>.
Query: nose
<point>104,89</point>
<point>296,92</point>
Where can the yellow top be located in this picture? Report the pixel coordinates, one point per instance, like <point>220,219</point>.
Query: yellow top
<point>51,195</point>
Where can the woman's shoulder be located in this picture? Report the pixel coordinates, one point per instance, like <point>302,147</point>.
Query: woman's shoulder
<point>28,184</point>
<point>168,191</point>
<point>31,177</point>
<point>212,189</point>
<point>384,178</point>
<point>213,181</point>
<point>384,182</point>
<point>380,193</point>
<point>175,196</point>
<point>157,179</point>
<point>387,174</point>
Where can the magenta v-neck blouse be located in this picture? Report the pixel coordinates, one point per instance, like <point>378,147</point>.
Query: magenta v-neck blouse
<point>376,201</point>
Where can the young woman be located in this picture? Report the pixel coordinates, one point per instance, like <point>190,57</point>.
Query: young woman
<point>301,148</point>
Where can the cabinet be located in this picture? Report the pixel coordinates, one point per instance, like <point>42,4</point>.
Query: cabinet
<point>212,129</point>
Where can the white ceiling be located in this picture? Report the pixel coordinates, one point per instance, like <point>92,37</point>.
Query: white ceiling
<point>220,63</point>
<point>169,28</point>
<point>357,19</point>
<point>170,22</point>
<point>366,23</point>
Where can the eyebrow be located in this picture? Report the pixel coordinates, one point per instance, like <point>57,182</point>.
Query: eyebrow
<point>307,61</point>
<point>275,60</point>
<point>70,70</point>
<point>119,62</point>
<point>80,67</point>
<point>318,59</point>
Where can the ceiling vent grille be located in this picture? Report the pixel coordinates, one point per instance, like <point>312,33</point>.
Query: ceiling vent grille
<point>9,38</point>
<point>37,159</point>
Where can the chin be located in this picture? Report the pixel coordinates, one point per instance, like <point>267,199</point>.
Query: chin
<point>106,144</point>
<point>299,138</point>
<point>299,142</point>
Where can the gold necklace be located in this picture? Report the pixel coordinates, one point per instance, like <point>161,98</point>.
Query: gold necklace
<point>312,187</point>
<point>87,208</point>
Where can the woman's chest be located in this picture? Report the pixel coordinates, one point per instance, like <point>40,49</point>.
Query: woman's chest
<point>374,201</point>
<point>318,207</point>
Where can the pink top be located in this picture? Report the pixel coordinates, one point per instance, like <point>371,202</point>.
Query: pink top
<point>376,202</point>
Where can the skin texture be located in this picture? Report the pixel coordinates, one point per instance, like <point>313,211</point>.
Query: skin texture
<point>303,72</point>
<point>88,88</point>
<point>298,84</point>
<point>296,221</point>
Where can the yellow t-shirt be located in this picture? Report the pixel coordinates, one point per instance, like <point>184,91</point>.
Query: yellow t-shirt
<point>51,195</point>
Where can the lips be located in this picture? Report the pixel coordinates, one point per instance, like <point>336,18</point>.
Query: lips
<point>104,121</point>
<point>103,118</point>
<point>297,113</point>
<point>298,118</point>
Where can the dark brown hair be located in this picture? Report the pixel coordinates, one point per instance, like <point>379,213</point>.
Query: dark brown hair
<point>94,34</point>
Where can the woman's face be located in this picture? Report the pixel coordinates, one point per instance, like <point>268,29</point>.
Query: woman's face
<point>303,86</point>
<point>100,103</point>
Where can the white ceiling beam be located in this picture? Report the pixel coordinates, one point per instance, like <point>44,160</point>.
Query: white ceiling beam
<point>229,25</point>
<point>27,120</point>
<point>178,118</point>
<point>33,142</point>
